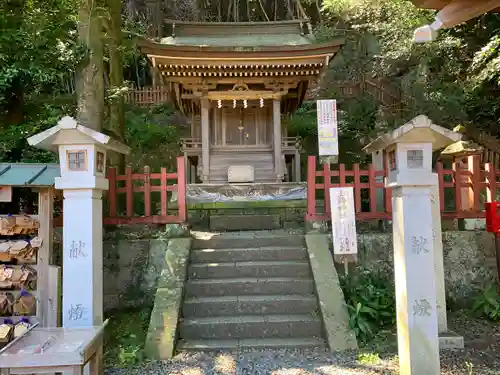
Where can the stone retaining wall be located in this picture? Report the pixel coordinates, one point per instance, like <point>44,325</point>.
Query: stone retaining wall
<point>469,260</point>
<point>131,263</point>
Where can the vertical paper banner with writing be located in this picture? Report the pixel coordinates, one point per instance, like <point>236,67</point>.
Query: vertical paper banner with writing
<point>328,142</point>
<point>343,221</point>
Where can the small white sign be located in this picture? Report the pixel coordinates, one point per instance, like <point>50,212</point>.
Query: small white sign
<point>343,221</point>
<point>328,141</point>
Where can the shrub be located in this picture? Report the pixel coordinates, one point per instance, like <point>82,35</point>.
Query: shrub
<point>370,301</point>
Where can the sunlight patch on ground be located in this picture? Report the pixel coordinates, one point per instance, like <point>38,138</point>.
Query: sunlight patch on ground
<point>368,358</point>
<point>225,364</point>
<point>292,371</point>
<point>190,371</point>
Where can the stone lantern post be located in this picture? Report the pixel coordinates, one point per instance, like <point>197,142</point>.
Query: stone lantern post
<point>418,262</point>
<point>82,156</point>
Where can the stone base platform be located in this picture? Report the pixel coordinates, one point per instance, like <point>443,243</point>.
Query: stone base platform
<point>251,192</point>
<point>450,340</point>
<point>236,207</point>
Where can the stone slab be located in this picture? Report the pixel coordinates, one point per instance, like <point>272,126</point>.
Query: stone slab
<point>269,343</point>
<point>256,327</point>
<point>248,254</point>
<point>249,286</point>
<point>244,222</point>
<point>248,240</point>
<point>249,269</point>
<point>162,332</point>
<point>248,305</point>
<point>451,340</point>
<point>331,298</point>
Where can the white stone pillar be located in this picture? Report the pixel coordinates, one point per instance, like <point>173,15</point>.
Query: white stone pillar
<point>82,258</point>
<point>418,343</point>
<point>437,236</point>
<point>205,140</point>
<point>277,139</point>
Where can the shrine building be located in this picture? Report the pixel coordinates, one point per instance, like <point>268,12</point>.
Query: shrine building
<point>236,81</point>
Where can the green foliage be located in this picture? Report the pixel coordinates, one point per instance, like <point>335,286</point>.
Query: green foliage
<point>151,135</point>
<point>37,46</point>
<point>487,304</point>
<point>39,116</point>
<point>436,79</point>
<point>357,119</point>
<point>369,358</point>
<point>125,337</point>
<point>370,301</point>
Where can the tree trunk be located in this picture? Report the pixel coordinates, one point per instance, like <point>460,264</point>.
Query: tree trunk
<point>90,76</point>
<point>117,117</point>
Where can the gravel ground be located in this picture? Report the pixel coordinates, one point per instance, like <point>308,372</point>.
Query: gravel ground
<point>304,362</point>
<point>480,357</point>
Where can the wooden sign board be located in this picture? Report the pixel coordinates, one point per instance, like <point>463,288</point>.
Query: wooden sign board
<point>343,221</point>
<point>328,141</point>
<point>5,193</point>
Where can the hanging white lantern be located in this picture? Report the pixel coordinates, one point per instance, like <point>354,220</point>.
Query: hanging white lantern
<point>245,104</point>
<point>234,103</point>
<point>261,102</point>
<point>219,103</point>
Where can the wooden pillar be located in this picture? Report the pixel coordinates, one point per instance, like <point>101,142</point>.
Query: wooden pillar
<point>277,139</point>
<point>45,215</point>
<point>205,140</point>
<point>297,166</point>
<point>187,168</point>
<point>192,128</point>
<point>224,122</point>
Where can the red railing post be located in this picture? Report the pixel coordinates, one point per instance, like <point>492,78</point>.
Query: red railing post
<point>357,188</point>
<point>129,186</point>
<point>163,192</point>
<point>147,191</point>
<point>457,179</point>
<point>327,181</point>
<point>440,174</point>
<point>311,187</point>
<point>181,189</point>
<point>372,190</point>
<point>474,165</point>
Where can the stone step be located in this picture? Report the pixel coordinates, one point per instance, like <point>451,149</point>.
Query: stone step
<point>244,222</point>
<point>219,241</point>
<point>272,253</point>
<point>248,286</point>
<point>216,345</point>
<point>251,326</point>
<point>249,305</point>
<point>298,269</point>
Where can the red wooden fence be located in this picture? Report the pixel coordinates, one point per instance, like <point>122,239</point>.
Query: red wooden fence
<point>130,198</point>
<point>146,183</point>
<point>476,184</point>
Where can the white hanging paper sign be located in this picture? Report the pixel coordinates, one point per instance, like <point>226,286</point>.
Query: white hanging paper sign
<point>343,221</point>
<point>328,141</point>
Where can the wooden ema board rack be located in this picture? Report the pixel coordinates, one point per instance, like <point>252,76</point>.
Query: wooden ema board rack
<point>54,350</point>
<point>19,244</point>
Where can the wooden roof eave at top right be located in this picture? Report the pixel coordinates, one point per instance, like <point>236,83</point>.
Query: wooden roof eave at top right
<point>440,4</point>
<point>431,4</point>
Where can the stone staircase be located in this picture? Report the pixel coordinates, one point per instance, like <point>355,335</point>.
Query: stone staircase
<point>249,289</point>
